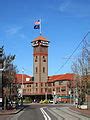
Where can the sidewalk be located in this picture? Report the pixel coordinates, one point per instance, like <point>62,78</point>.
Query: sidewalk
<point>81,111</point>
<point>10,112</point>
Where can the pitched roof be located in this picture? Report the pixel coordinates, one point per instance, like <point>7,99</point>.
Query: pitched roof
<point>61,77</point>
<point>40,38</point>
<point>26,78</point>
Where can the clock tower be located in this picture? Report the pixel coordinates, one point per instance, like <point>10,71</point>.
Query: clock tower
<point>40,59</point>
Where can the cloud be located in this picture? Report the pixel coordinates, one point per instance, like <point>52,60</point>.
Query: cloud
<point>13,30</point>
<point>63,6</point>
<point>77,8</point>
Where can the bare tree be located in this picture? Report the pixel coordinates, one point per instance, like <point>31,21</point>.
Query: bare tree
<point>9,75</point>
<point>80,68</point>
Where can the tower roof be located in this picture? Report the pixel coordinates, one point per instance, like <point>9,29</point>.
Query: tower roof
<point>40,38</point>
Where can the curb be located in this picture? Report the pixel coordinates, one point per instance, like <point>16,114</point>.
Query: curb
<point>80,112</point>
<point>11,113</point>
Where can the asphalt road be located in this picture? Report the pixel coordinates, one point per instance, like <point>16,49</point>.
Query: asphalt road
<point>46,112</point>
<point>33,112</point>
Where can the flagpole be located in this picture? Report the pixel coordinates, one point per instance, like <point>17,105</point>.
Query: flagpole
<point>40,28</point>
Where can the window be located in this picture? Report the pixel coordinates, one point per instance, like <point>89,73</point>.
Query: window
<point>63,89</point>
<point>53,89</point>
<point>45,89</point>
<point>41,90</point>
<point>36,84</point>
<point>36,58</point>
<point>49,84</point>
<point>24,90</point>
<point>49,90</point>
<point>36,90</point>
<point>53,84</point>
<point>60,82</point>
<point>44,60</point>
<point>43,69</point>
<point>41,84</point>
<point>28,85</point>
<point>57,90</point>
<point>36,69</point>
<point>46,84</point>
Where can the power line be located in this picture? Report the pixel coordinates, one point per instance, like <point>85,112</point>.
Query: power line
<point>72,53</point>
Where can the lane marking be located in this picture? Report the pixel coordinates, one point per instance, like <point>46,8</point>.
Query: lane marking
<point>46,116</point>
<point>43,113</point>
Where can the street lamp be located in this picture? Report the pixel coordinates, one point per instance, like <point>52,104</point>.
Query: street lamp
<point>54,97</point>
<point>22,86</point>
<point>70,96</point>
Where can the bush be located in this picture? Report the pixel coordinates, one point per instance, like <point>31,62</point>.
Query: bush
<point>27,100</point>
<point>44,102</point>
<point>41,102</point>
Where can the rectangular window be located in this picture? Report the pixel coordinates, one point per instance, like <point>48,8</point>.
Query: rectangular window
<point>53,84</point>
<point>41,84</point>
<point>60,82</point>
<point>49,84</point>
<point>36,84</point>
<point>24,90</point>
<point>36,90</point>
<point>43,69</point>
<point>63,89</point>
<point>45,89</point>
<point>36,59</point>
<point>49,90</point>
<point>41,90</point>
<point>36,69</point>
<point>45,84</point>
<point>28,85</point>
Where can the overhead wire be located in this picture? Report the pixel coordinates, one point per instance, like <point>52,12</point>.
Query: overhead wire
<point>72,53</point>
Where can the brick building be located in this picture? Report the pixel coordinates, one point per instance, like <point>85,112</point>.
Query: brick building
<point>42,86</point>
<point>60,84</point>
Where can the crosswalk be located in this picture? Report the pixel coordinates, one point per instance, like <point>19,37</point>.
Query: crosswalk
<point>65,113</point>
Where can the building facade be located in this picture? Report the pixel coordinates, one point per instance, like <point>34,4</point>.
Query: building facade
<point>43,86</point>
<point>59,85</point>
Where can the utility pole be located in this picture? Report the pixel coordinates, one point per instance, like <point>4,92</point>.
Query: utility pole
<point>1,77</point>
<point>88,73</point>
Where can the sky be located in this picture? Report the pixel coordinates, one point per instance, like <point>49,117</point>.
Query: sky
<point>64,24</point>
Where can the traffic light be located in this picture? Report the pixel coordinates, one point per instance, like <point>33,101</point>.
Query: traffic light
<point>1,51</point>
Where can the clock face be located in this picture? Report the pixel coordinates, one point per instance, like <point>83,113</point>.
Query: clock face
<point>34,44</point>
<point>44,43</point>
<point>40,43</point>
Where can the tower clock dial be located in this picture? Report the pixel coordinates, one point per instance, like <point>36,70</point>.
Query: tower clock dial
<point>44,43</point>
<point>35,43</point>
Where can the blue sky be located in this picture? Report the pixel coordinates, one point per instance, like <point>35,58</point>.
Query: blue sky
<point>64,24</point>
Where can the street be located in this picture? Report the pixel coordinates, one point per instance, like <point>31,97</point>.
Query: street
<point>46,112</point>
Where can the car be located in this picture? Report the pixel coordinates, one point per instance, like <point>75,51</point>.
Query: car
<point>50,101</point>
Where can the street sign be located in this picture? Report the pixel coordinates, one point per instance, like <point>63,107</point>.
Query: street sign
<point>0,99</point>
<point>1,69</point>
